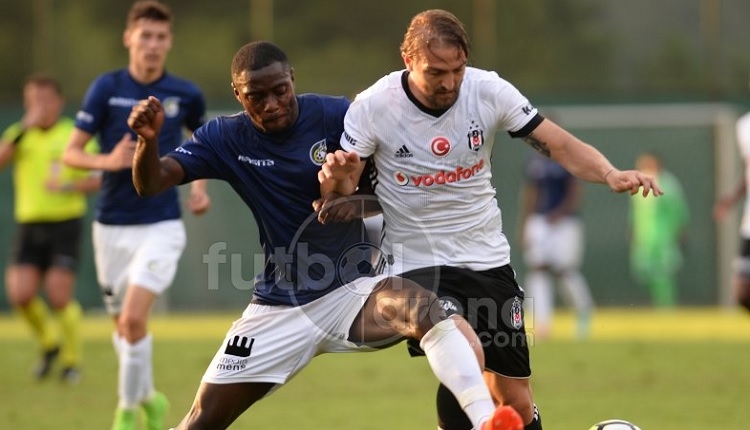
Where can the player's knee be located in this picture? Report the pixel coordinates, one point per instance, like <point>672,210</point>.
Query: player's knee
<point>58,302</point>
<point>20,299</point>
<point>131,327</point>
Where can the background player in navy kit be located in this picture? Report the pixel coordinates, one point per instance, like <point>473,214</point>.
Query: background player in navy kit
<point>442,224</point>
<point>137,241</point>
<point>552,240</point>
<point>309,298</point>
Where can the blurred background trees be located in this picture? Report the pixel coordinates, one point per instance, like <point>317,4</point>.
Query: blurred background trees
<point>571,50</point>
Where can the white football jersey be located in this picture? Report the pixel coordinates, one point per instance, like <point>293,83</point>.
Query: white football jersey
<point>743,139</point>
<point>432,173</point>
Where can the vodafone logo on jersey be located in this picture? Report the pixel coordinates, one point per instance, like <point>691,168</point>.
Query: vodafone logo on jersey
<point>440,146</point>
<point>442,177</point>
<point>401,178</point>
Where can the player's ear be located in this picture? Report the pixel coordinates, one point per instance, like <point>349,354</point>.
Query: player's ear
<point>408,61</point>
<point>236,93</point>
<point>291,74</point>
<point>126,38</point>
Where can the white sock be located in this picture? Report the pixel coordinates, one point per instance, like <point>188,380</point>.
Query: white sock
<point>454,364</point>
<point>132,366</point>
<point>116,342</point>
<point>147,381</point>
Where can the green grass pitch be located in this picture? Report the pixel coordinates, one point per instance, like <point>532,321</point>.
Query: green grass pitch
<point>680,370</point>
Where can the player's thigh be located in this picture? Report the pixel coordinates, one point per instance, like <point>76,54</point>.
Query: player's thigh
<point>396,308</point>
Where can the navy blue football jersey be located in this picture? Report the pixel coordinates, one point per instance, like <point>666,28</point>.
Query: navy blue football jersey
<point>105,110</point>
<point>552,181</point>
<point>276,175</point>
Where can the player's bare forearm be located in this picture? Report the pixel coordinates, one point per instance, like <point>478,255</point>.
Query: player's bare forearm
<point>76,156</point>
<point>147,167</point>
<point>579,158</point>
<point>586,162</point>
<point>151,174</point>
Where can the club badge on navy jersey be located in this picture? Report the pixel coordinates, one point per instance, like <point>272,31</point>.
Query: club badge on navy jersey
<point>476,136</point>
<point>318,152</point>
<point>171,106</point>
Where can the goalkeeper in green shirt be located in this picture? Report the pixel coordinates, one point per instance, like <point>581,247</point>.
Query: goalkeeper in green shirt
<point>657,233</point>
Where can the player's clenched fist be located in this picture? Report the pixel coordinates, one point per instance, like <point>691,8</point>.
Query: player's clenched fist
<point>146,118</point>
<point>339,165</point>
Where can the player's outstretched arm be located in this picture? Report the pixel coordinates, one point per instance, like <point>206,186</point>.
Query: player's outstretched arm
<point>586,162</point>
<point>151,174</point>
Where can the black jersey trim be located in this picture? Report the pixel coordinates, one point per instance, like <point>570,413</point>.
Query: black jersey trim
<point>529,127</point>
<point>437,113</point>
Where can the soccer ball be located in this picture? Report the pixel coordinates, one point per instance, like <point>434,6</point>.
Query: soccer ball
<point>355,263</point>
<point>614,425</point>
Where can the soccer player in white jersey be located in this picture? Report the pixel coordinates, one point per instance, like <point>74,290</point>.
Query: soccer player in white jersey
<point>722,207</point>
<point>429,130</point>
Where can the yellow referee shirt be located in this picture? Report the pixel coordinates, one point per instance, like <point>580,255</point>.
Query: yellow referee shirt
<point>38,160</point>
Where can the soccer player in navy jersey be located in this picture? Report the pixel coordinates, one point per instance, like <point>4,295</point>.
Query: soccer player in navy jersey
<point>311,298</point>
<point>428,131</point>
<point>552,240</point>
<point>137,241</point>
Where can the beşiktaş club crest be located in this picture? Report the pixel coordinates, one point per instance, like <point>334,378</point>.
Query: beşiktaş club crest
<point>476,137</point>
<point>516,314</point>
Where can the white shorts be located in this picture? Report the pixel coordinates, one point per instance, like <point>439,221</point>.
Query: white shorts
<point>145,255</point>
<point>273,343</point>
<point>557,245</point>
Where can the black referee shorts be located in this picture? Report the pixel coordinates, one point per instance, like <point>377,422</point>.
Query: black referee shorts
<point>48,244</point>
